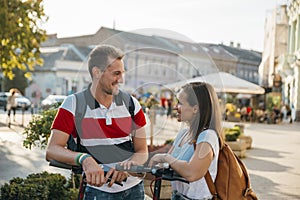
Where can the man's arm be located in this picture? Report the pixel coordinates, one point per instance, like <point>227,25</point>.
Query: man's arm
<point>56,148</point>
<point>56,151</point>
<point>140,146</point>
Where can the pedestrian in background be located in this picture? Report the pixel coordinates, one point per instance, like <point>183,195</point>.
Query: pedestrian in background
<point>170,107</point>
<point>196,148</point>
<point>11,105</point>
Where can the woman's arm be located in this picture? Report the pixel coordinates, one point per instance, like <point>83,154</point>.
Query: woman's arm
<point>193,170</point>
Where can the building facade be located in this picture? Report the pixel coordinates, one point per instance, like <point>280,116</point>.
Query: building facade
<point>292,82</point>
<point>150,61</point>
<point>275,47</point>
<point>289,61</point>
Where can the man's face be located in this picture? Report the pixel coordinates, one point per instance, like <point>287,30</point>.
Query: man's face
<point>112,77</point>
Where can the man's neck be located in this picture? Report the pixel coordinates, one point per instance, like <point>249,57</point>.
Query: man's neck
<point>100,96</point>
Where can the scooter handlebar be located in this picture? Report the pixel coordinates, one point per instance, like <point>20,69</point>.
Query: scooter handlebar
<point>165,172</point>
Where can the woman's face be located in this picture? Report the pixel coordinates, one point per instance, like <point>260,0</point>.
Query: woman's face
<point>185,112</point>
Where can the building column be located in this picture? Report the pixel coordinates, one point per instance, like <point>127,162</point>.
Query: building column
<point>291,47</point>
<point>297,92</point>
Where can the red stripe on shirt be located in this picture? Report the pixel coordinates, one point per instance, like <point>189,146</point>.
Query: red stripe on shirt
<point>64,121</point>
<point>97,128</point>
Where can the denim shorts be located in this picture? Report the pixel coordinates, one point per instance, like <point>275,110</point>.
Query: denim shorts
<point>136,192</point>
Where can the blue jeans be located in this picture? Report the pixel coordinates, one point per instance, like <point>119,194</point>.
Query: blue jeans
<point>136,192</point>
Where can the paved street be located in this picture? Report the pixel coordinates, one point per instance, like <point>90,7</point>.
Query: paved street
<point>273,162</point>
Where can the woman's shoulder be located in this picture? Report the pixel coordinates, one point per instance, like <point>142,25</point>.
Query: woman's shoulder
<point>208,135</point>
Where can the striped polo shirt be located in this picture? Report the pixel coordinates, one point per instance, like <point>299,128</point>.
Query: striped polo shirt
<point>105,131</point>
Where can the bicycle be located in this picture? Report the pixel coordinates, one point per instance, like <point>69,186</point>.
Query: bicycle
<point>160,172</point>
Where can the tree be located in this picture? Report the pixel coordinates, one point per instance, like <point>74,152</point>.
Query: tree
<point>20,82</point>
<point>21,36</point>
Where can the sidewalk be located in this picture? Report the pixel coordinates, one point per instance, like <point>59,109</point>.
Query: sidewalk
<point>273,162</point>
<point>16,160</point>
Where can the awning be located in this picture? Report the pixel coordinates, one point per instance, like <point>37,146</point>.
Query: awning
<point>223,82</point>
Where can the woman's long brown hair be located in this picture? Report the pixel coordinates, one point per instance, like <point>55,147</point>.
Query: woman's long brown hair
<point>209,115</point>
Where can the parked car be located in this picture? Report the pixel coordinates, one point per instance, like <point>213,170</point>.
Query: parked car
<point>51,100</point>
<point>21,100</point>
<point>3,99</point>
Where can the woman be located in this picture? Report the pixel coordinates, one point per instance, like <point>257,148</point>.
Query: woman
<point>12,105</point>
<point>196,148</point>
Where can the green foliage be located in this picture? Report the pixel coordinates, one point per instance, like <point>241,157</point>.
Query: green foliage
<point>169,141</point>
<point>46,186</point>
<point>19,81</point>
<point>38,129</point>
<point>74,180</point>
<point>231,134</point>
<point>20,35</point>
<point>273,101</point>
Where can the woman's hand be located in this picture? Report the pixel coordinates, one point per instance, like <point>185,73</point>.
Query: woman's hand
<point>158,158</point>
<point>127,164</point>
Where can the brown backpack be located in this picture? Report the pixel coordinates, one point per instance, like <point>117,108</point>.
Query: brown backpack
<point>232,181</point>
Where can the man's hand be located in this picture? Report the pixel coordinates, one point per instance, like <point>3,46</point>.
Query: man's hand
<point>93,172</point>
<point>115,176</point>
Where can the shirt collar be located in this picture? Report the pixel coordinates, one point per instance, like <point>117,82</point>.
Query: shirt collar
<point>92,102</point>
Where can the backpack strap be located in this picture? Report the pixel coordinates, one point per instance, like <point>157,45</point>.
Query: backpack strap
<point>211,185</point>
<point>79,114</point>
<point>126,97</point>
<point>128,101</point>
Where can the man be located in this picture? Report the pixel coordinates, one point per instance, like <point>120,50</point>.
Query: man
<point>105,125</point>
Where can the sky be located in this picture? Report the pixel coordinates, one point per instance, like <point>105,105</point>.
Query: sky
<point>213,21</point>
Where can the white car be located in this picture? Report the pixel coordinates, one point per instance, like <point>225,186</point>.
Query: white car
<point>51,100</point>
<point>21,101</point>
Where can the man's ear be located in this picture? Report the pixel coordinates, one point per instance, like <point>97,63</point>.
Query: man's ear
<point>96,72</point>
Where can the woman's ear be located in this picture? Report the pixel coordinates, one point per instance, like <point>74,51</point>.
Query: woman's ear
<point>195,109</point>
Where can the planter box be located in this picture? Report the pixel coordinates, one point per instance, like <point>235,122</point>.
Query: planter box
<point>247,139</point>
<point>242,127</point>
<point>233,119</point>
<point>238,147</point>
<point>165,191</point>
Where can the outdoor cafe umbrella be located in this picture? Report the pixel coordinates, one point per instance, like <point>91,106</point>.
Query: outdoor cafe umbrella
<point>223,82</point>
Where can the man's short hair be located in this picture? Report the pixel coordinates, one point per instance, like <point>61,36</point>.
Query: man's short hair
<point>100,54</point>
